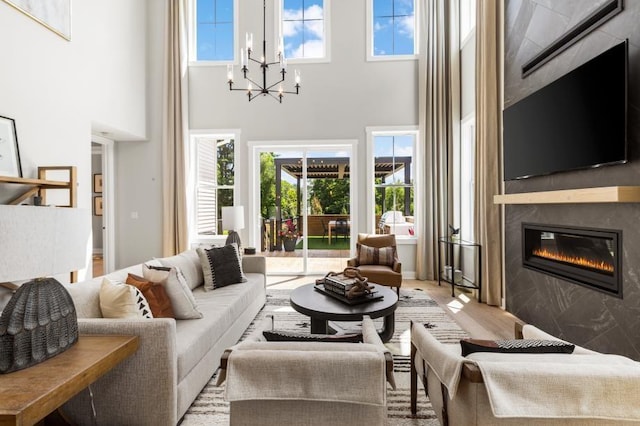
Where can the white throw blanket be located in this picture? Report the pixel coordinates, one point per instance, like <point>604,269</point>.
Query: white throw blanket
<point>561,385</point>
<point>343,372</point>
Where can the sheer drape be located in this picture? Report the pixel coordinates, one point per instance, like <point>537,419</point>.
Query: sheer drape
<point>489,24</point>
<point>174,226</point>
<point>437,94</point>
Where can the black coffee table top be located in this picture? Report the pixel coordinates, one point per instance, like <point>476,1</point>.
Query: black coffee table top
<point>308,301</point>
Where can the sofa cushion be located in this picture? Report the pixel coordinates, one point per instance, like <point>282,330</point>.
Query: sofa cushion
<point>381,274</point>
<point>182,301</point>
<point>531,346</point>
<point>120,300</point>
<point>221,309</point>
<point>375,256</point>
<point>189,263</point>
<point>155,294</point>
<point>221,266</point>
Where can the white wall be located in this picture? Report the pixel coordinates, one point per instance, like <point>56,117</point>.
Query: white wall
<point>55,89</point>
<point>337,101</point>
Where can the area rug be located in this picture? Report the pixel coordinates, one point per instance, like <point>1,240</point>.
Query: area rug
<point>209,408</point>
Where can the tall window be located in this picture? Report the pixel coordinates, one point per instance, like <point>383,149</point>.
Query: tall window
<point>214,30</point>
<point>304,28</point>
<point>392,172</point>
<point>391,28</point>
<point>214,181</point>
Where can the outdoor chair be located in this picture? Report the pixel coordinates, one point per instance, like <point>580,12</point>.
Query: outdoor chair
<point>377,259</point>
<point>341,228</point>
<point>313,378</point>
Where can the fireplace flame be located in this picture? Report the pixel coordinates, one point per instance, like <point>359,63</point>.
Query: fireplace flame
<point>575,260</point>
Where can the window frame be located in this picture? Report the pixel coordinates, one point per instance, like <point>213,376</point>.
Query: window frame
<point>193,184</point>
<point>467,20</point>
<point>372,132</point>
<point>192,14</point>
<point>326,12</point>
<point>468,152</point>
<point>370,45</point>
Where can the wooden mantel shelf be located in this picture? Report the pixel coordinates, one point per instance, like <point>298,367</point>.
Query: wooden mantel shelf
<point>606,194</point>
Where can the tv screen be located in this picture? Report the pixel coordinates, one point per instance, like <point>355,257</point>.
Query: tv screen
<point>578,121</point>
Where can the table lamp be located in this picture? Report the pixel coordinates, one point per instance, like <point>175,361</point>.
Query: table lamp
<point>39,321</point>
<point>233,220</point>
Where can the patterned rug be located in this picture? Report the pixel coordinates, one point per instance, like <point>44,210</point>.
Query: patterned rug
<point>210,409</point>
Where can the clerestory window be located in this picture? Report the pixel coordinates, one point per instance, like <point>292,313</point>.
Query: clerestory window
<point>391,28</point>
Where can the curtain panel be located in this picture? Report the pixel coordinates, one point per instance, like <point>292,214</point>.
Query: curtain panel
<point>175,233</point>
<point>487,215</point>
<point>438,94</point>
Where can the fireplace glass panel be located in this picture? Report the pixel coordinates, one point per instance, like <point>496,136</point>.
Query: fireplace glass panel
<point>585,256</point>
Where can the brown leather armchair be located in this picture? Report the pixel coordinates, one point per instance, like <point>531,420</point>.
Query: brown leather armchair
<point>389,275</point>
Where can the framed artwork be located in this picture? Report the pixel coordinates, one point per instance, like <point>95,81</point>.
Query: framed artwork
<point>9,154</point>
<point>97,205</point>
<point>97,183</point>
<point>53,14</point>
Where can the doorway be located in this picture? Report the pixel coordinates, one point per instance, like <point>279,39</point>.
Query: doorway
<point>103,208</point>
<point>305,205</point>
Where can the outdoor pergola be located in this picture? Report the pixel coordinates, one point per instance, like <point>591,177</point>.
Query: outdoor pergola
<point>338,168</point>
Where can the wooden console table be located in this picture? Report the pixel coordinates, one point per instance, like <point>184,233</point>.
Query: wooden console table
<point>27,396</point>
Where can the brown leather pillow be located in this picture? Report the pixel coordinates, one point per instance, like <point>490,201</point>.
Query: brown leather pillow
<point>155,294</point>
<point>375,256</point>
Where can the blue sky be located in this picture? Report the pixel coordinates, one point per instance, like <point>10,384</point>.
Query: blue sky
<point>303,28</point>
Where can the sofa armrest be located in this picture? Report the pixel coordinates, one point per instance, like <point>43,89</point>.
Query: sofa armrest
<point>140,390</point>
<point>254,264</point>
<point>353,262</point>
<point>397,266</point>
<point>370,335</point>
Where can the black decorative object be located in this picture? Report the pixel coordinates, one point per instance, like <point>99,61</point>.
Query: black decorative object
<point>38,323</point>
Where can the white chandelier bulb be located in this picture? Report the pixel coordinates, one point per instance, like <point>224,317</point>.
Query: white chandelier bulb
<point>249,87</point>
<point>230,72</point>
<point>297,76</point>
<point>249,41</point>
<point>243,60</point>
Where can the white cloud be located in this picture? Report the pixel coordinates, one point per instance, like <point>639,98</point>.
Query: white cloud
<point>407,26</point>
<point>311,49</point>
<point>292,21</point>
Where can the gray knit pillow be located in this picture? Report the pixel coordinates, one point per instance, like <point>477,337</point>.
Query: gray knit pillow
<point>221,266</point>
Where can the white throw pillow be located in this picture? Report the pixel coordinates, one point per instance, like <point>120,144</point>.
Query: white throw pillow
<point>188,263</point>
<point>182,300</point>
<point>120,300</point>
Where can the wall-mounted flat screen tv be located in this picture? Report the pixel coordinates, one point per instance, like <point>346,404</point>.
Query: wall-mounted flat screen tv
<point>578,121</point>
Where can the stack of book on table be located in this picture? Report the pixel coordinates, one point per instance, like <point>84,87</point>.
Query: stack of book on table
<point>339,284</point>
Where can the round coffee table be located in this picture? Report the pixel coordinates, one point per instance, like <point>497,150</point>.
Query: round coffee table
<point>322,308</point>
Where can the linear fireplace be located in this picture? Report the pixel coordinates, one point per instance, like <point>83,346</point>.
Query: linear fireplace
<point>589,257</point>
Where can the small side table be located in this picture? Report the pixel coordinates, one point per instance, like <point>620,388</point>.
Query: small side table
<point>465,282</point>
<point>28,396</point>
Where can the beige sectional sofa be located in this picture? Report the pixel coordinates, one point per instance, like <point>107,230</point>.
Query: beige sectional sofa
<point>175,359</point>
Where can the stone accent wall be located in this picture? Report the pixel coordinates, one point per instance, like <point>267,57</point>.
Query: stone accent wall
<point>583,316</point>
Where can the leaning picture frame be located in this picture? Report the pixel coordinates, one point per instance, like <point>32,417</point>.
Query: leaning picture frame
<point>9,153</point>
<point>52,14</point>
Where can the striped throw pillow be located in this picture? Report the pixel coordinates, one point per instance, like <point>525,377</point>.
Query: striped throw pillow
<point>375,256</point>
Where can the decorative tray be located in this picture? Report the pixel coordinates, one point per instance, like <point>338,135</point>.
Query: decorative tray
<point>362,299</point>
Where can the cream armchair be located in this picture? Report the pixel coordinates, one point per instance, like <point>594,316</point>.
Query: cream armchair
<point>483,388</point>
<point>307,382</point>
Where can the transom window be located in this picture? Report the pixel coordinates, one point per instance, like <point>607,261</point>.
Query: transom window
<point>392,175</point>
<point>391,28</point>
<point>214,180</point>
<point>214,36</point>
<point>304,28</point>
